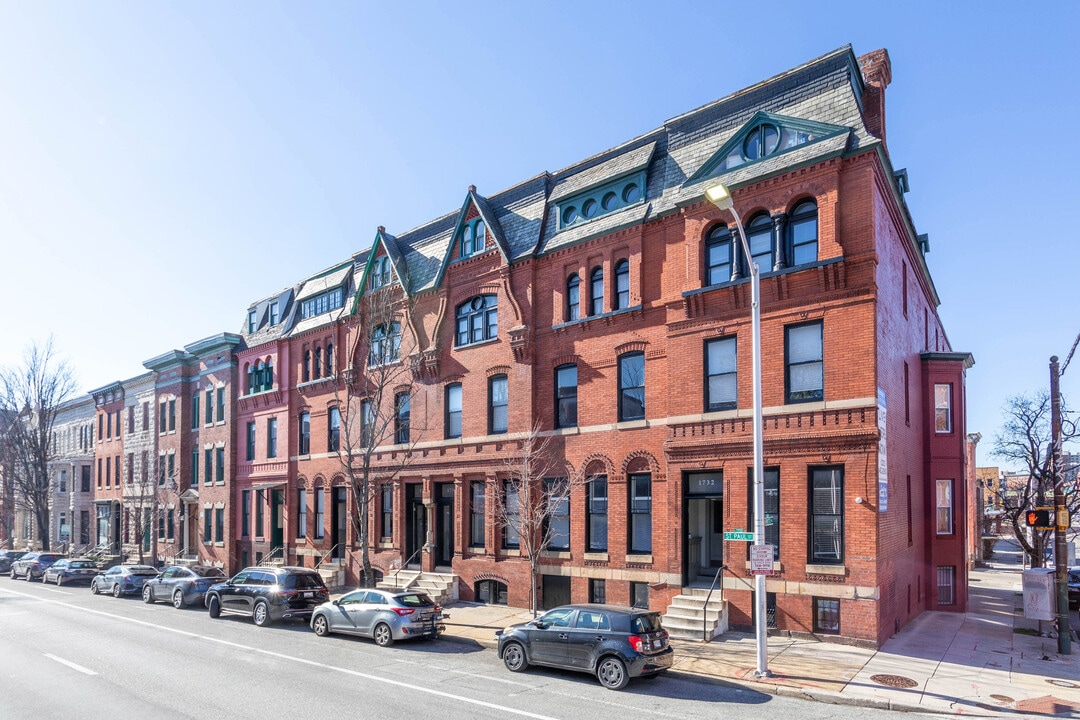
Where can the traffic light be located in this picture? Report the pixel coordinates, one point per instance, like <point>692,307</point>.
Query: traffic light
<point>1039,518</point>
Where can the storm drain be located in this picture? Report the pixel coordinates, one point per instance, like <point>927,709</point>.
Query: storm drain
<point>896,681</point>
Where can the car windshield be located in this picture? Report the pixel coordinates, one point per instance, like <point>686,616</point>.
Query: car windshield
<point>646,623</point>
<point>143,570</point>
<point>82,564</point>
<point>48,559</point>
<point>1074,577</point>
<point>415,600</point>
<point>207,572</point>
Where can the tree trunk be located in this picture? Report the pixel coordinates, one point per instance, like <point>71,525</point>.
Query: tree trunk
<point>43,528</point>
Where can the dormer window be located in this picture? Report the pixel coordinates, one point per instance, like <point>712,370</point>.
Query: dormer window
<point>251,321</point>
<point>473,237</point>
<point>274,313</point>
<point>380,272</point>
<point>322,303</point>
<point>602,200</point>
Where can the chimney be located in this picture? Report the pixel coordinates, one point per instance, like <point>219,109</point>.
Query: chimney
<point>877,74</point>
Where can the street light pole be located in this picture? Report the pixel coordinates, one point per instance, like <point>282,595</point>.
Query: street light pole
<point>719,196</point>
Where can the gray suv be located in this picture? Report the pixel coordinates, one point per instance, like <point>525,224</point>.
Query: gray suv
<point>268,594</point>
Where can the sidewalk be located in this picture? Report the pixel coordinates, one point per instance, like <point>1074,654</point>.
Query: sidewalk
<point>981,663</point>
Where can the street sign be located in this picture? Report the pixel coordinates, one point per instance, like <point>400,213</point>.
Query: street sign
<point>761,559</point>
<point>739,535</point>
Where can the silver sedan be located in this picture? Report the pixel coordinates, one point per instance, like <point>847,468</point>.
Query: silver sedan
<point>383,615</point>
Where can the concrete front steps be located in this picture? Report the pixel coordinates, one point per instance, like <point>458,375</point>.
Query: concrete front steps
<point>689,617</point>
<point>442,587</point>
<point>333,573</point>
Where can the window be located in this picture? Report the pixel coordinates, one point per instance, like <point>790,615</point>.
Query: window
<point>827,616</point>
<point>802,231</point>
<point>387,521</point>
<point>322,303</point>
<point>367,423</point>
<point>208,463</point>
<point>944,507</point>
<point>596,521</point>
<point>498,404</point>
<point>305,433</point>
<point>320,513</point>
<point>271,437</point>
<point>641,513</point>
<point>946,585</point>
<point>250,441</point>
<point>558,514</point>
<point>573,297</point>
<point>274,313</point>
<point>942,408</point>
<point>306,372</point>
<point>622,284</point>
<point>597,591</point>
<point>245,513</point>
<point>130,465</point>
<point>62,479</point>
<point>145,416</point>
<point>172,415</point>
<point>385,344</point>
<point>209,407</point>
<point>260,503</point>
<point>99,476</point>
<point>333,437</point>
<point>477,514</point>
<point>473,237</point>
<point>477,320</point>
<point>260,379</point>
<point>771,507</point>
<point>162,420</point>
<point>512,501</point>
<point>208,524</point>
<point>907,395</point>
<point>759,234</point>
<point>804,375</point>
<point>639,595</point>
<point>401,417</point>
<point>301,513</point>
<point>100,427</point>
<point>116,468</point>
<point>219,464</point>
<point>195,467</point>
<point>330,359</point>
<point>84,481</point>
<point>596,291</point>
<point>718,256</point>
<point>161,526</point>
<point>195,411</point>
<point>632,386</point>
<point>827,515</point>
<point>380,272</point>
<point>491,592</point>
<point>219,524</point>
<point>251,321</point>
<point>721,375</point>
<point>566,396</point>
<point>601,200</point>
<point>318,363</point>
<point>452,422</point>
<point>221,404</point>
<point>131,419</point>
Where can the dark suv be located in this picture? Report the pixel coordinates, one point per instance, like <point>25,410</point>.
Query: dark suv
<point>7,557</point>
<point>268,594</point>
<point>32,565</point>
<point>613,642</point>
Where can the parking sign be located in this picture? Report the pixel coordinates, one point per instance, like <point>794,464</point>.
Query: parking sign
<point>761,559</point>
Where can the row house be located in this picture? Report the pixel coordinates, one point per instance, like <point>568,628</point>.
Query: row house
<point>71,472</point>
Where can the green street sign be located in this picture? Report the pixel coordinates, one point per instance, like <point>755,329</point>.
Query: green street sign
<point>739,535</point>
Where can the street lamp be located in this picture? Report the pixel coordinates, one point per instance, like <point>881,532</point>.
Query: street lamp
<point>719,196</point>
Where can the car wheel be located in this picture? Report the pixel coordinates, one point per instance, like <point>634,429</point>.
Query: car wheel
<point>29,576</point>
<point>514,657</point>
<point>59,580</point>
<point>93,587</point>
<point>13,575</point>
<point>384,637</point>
<point>612,673</point>
<point>147,594</point>
<point>116,590</point>
<point>214,606</point>
<point>178,599</point>
<point>320,626</point>
<point>261,614</point>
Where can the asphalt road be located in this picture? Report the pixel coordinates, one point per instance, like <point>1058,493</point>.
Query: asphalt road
<point>65,653</point>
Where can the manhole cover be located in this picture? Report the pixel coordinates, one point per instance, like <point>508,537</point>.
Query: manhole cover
<point>896,681</point>
<point>1003,698</point>
<point>1062,683</point>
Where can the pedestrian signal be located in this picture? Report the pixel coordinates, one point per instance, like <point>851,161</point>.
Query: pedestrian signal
<point>1038,518</point>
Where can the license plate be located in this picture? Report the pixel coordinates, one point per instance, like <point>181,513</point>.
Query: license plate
<point>307,594</point>
<point>657,644</point>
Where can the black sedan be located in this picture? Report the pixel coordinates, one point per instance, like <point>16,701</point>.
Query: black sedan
<point>1074,588</point>
<point>123,580</point>
<point>70,570</point>
<point>31,565</point>
<point>614,643</point>
<point>7,557</point>
<point>182,585</point>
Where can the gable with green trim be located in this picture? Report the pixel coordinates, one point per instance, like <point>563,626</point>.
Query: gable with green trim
<point>765,136</point>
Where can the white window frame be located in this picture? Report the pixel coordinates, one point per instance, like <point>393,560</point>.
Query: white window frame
<point>943,408</point>
<point>944,501</point>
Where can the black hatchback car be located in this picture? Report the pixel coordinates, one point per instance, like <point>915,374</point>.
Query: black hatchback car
<point>613,642</point>
<point>268,594</point>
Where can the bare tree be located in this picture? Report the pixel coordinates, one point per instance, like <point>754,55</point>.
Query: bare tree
<point>31,395</point>
<point>373,396</point>
<point>532,504</point>
<point>7,479</point>
<point>1025,438</point>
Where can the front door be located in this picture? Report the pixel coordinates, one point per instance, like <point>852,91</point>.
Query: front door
<point>415,523</point>
<point>277,523</point>
<point>703,503</point>
<point>338,521</point>
<point>444,523</point>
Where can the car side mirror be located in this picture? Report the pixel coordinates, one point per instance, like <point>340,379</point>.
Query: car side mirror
<point>540,624</point>
<point>337,602</point>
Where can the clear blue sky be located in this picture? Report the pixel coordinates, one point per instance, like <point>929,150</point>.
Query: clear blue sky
<point>163,165</point>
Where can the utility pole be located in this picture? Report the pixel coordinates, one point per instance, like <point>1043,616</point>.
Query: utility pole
<point>1060,513</point>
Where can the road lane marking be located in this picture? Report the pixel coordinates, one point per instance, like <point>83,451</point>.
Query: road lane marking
<point>282,656</point>
<point>73,666</point>
<point>54,590</point>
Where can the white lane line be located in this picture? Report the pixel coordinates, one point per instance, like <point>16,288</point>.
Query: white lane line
<point>291,658</point>
<point>73,666</point>
<point>58,592</point>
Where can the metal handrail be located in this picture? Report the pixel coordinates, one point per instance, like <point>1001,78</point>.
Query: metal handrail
<point>705,610</point>
<point>402,565</point>
<point>273,555</point>
<point>327,554</point>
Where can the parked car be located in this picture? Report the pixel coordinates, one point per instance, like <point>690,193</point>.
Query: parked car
<point>383,615</point>
<point>1074,588</point>
<point>269,594</point>
<point>614,643</point>
<point>31,565</point>
<point>70,570</point>
<point>123,580</point>
<point>7,557</point>
<point>182,585</point>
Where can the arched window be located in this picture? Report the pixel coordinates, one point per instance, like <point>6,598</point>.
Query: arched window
<point>477,320</point>
<point>473,238</point>
<point>490,592</point>
<point>622,284</point>
<point>596,291</point>
<point>268,374</point>
<point>573,297</point>
<point>249,387</point>
<point>306,372</point>
<point>318,363</point>
<point>759,235</point>
<point>385,344</point>
<point>256,376</point>
<point>718,256</point>
<point>380,272</point>
<point>329,359</point>
<point>802,234</point>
